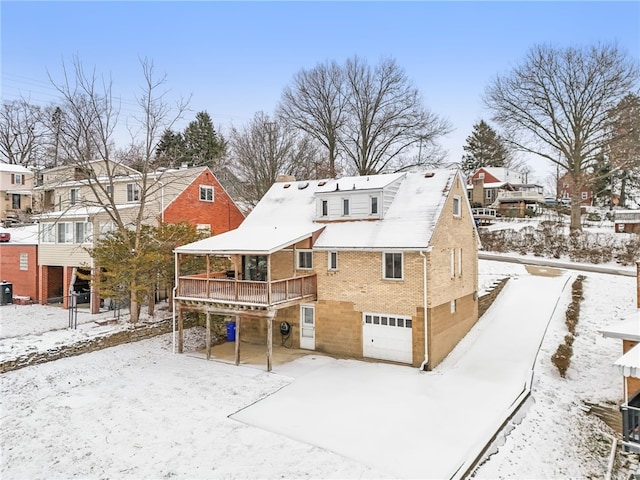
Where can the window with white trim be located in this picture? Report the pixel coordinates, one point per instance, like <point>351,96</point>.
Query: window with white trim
<point>457,207</point>
<point>65,232</point>
<point>84,232</point>
<point>203,228</point>
<point>452,306</point>
<point>387,320</point>
<point>481,175</point>
<point>133,192</point>
<point>452,262</point>
<point>345,206</point>
<point>74,196</point>
<point>392,267</point>
<point>584,195</point>
<point>325,208</point>
<point>47,233</point>
<point>333,261</point>
<point>24,261</point>
<point>489,194</point>
<point>206,193</point>
<point>305,260</point>
<point>460,262</point>
<point>374,205</point>
<point>17,179</point>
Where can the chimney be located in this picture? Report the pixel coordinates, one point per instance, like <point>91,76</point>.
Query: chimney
<point>285,178</point>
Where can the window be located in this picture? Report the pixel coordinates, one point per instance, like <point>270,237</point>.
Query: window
<point>333,260</point>
<point>104,228</point>
<point>74,196</point>
<point>393,266</point>
<point>460,262</point>
<point>203,228</point>
<point>109,190</point>
<point>345,206</point>
<point>47,233</point>
<point>453,306</point>
<point>325,208</point>
<point>17,179</point>
<point>305,259</point>
<point>481,175</point>
<point>374,205</point>
<point>65,233</point>
<point>24,261</point>
<point>456,206</point>
<point>584,195</point>
<point>452,262</point>
<point>133,192</point>
<point>206,193</point>
<point>489,194</point>
<point>84,231</point>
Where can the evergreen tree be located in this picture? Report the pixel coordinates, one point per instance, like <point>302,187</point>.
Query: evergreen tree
<point>202,145</point>
<point>170,151</point>
<point>484,148</point>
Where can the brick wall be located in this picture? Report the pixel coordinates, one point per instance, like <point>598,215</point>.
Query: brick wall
<point>25,282</point>
<point>221,215</point>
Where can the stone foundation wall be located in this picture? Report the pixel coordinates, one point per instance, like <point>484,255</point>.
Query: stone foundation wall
<point>486,300</point>
<point>134,334</point>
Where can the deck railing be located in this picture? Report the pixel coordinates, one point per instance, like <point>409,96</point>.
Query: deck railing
<point>247,292</point>
<point>505,196</point>
<point>630,427</point>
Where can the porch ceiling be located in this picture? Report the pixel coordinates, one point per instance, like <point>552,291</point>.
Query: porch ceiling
<point>250,240</point>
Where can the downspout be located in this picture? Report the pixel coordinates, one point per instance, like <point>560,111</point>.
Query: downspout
<point>423,365</point>
<point>173,293</point>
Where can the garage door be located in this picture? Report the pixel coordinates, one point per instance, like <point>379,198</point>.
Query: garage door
<point>387,337</point>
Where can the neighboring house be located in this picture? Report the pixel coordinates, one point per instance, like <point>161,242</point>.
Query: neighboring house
<point>18,262</point>
<point>73,216</point>
<point>627,221</point>
<point>357,266</point>
<point>16,190</point>
<point>504,190</point>
<point>565,190</point>
<point>628,330</point>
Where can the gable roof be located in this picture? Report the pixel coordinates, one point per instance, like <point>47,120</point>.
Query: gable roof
<point>504,174</point>
<point>408,223</point>
<point>13,168</point>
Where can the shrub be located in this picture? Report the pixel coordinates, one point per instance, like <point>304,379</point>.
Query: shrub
<point>562,358</point>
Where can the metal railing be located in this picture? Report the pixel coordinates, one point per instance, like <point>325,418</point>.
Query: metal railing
<point>630,427</point>
<point>247,292</point>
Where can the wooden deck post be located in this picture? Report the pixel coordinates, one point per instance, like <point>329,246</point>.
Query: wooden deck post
<point>237,339</point>
<point>269,342</point>
<point>180,330</point>
<point>208,334</point>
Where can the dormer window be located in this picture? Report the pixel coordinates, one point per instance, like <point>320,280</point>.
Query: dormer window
<point>374,205</point>
<point>345,206</point>
<point>325,208</point>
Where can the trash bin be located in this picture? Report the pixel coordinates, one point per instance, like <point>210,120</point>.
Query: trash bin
<point>231,332</point>
<point>6,293</point>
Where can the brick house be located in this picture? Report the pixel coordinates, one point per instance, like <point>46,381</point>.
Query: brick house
<point>346,266</point>
<point>505,190</point>
<point>565,190</point>
<point>628,365</point>
<point>18,262</point>
<point>73,201</point>
<point>16,190</point>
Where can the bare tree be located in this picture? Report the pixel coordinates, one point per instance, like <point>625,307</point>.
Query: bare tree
<point>265,149</point>
<point>86,134</point>
<point>624,145</point>
<point>315,104</point>
<point>556,104</point>
<point>21,133</point>
<point>373,118</point>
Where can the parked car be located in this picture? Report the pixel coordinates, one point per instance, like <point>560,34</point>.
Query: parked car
<point>5,236</point>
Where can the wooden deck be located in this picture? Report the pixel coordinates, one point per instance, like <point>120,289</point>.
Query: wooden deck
<point>246,292</point>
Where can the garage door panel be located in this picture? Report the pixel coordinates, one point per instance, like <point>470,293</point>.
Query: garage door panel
<point>386,340</point>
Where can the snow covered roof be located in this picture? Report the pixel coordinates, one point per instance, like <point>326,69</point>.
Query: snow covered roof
<point>505,174</point>
<point>626,329</point>
<point>262,240</point>
<point>629,363</point>
<point>289,208</point>
<point>489,185</point>
<point>78,212</point>
<point>10,167</point>
<point>24,235</point>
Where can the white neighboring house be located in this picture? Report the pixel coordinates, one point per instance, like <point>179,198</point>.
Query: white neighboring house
<point>16,193</point>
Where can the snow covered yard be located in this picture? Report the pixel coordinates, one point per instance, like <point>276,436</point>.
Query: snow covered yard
<point>138,411</point>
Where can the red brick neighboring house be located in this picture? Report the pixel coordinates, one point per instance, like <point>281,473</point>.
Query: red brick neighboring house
<point>205,203</point>
<point>18,262</point>
<point>565,190</point>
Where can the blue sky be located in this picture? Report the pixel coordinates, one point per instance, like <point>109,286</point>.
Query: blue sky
<point>235,58</point>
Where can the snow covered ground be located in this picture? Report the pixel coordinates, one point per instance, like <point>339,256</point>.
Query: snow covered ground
<point>138,411</point>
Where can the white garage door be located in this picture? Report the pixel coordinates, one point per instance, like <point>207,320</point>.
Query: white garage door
<point>387,337</point>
